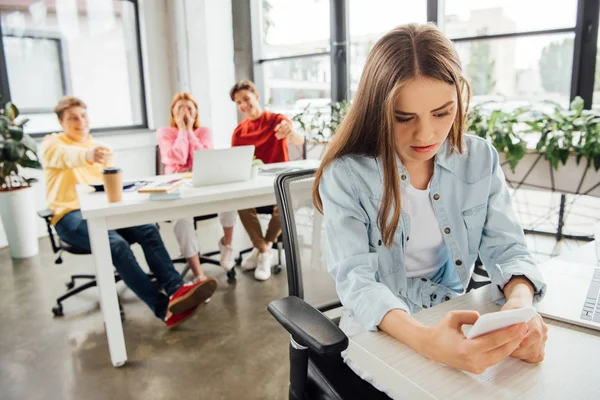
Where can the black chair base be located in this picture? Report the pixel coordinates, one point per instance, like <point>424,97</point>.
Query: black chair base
<point>205,259</point>
<point>57,310</point>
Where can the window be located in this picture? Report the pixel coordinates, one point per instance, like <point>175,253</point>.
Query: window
<point>294,56</point>
<point>466,18</point>
<point>519,71</point>
<point>88,49</point>
<point>510,58</point>
<point>290,85</point>
<point>368,23</point>
<point>294,27</point>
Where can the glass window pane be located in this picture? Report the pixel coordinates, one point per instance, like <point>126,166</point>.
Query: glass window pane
<point>466,18</point>
<point>285,30</point>
<point>290,85</point>
<point>371,19</point>
<point>519,71</point>
<point>86,48</point>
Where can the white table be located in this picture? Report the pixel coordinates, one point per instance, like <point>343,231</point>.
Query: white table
<point>136,209</point>
<point>569,371</point>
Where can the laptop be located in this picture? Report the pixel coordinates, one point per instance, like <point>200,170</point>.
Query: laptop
<point>219,166</point>
<point>573,293</point>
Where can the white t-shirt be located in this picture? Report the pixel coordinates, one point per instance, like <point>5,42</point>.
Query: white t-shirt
<point>425,251</point>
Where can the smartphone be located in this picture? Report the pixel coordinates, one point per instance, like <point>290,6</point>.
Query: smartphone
<point>497,320</point>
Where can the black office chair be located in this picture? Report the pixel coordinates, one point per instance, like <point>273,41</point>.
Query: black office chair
<point>278,245</point>
<point>59,247</point>
<point>317,370</point>
<point>205,258</point>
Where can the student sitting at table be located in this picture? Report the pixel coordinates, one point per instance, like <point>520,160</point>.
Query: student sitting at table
<point>269,133</point>
<point>409,202</point>
<point>74,157</point>
<point>177,144</point>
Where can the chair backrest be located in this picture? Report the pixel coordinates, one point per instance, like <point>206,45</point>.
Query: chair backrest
<point>304,241</point>
<point>159,166</point>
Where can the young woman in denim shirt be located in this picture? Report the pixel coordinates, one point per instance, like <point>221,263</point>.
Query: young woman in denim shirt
<point>410,201</point>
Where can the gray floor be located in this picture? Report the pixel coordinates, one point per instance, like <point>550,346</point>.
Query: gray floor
<point>231,349</point>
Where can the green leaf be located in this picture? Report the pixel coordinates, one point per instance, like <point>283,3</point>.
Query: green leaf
<point>12,151</point>
<point>16,133</point>
<point>31,180</point>
<point>11,111</point>
<point>27,163</point>
<point>29,143</point>
<point>577,104</point>
<point>22,122</point>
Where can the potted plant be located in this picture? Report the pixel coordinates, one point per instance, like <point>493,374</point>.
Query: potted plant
<point>320,125</point>
<point>557,150</point>
<point>17,202</point>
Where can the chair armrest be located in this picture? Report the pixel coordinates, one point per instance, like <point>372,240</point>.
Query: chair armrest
<point>308,326</point>
<point>46,214</point>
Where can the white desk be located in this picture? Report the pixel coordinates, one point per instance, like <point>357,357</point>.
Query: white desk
<point>569,371</point>
<point>136,209</point>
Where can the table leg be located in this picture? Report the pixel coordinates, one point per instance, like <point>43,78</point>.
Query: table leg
<point>108,290</point>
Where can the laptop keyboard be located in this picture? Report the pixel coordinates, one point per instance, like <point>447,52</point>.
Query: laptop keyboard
<point>591,308</point>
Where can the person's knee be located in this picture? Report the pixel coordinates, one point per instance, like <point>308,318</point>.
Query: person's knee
<point>119,247</point>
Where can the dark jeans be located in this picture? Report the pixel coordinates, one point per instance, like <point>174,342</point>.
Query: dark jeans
<point>74,230</point>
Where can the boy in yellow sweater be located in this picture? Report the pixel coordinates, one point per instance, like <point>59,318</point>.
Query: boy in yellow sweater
<point>74,157</point>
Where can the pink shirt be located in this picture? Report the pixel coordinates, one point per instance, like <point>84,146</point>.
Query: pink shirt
<point>177,147</point>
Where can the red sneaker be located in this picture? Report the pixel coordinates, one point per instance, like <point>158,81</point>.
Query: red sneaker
<point>192,294</point>
<point>176,319</point>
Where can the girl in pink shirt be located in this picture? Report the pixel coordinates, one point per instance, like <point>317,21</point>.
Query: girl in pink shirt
<point>177,144</point>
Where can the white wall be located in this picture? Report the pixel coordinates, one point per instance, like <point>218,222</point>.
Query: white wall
<point>203,44</point>
<point>209,60</point>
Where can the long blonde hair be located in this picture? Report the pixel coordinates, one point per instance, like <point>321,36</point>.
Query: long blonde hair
<point>184,96</point>
<point>402,54</point>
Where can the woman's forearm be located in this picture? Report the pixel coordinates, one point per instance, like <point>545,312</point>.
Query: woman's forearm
<point>519,290</point>
<point>403,327</point>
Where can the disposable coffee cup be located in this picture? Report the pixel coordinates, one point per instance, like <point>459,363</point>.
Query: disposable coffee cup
<point>113,184</point>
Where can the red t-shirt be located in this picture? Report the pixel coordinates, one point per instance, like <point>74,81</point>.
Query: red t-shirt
<point>261,133</point>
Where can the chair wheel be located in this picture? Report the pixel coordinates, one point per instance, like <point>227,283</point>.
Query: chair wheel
<point>276,269</point>
<point>231,274</point>
<point>58,260</point>
<point>238,261</point>
<point>70,285</point>
<point>57,311</point>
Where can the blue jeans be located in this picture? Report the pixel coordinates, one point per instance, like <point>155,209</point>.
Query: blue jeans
<point>72,228</point>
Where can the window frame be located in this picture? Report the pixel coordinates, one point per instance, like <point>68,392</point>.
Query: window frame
<point>5,86</point>
<point>584,48</point>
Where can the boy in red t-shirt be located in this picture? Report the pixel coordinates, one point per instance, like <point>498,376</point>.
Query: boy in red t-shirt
<point>269,133</point>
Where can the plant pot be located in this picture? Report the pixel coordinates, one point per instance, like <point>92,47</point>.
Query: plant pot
<point>254,171</point>
<point>536,173</point>
<point>17,209</point>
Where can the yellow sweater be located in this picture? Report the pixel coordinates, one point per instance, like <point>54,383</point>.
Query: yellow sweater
<point>65,166</point>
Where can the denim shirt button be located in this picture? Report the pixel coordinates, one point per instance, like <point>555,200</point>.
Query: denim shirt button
<point>379,242</point>
<point>407,238</point>
<point>424,306</point>
<point>436,196</point>
<point>433,296</point>
<point>403,177</point>
<point>458,262</point>
<point>446,230</point>
<point>446,298</point>
<point>424,279</point>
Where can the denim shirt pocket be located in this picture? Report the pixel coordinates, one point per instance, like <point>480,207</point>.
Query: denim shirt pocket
<point>474,219</point>
<point>376,246</point>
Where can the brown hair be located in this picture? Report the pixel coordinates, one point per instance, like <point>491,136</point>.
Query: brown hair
<point>67,102</point>
<point>184,96</point>
<point>402,54</point>
<point>241,85</point>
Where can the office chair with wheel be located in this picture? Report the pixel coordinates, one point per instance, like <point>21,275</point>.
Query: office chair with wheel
<point>205,258</point>
<point>317,370</point>
<point>59,247</point>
